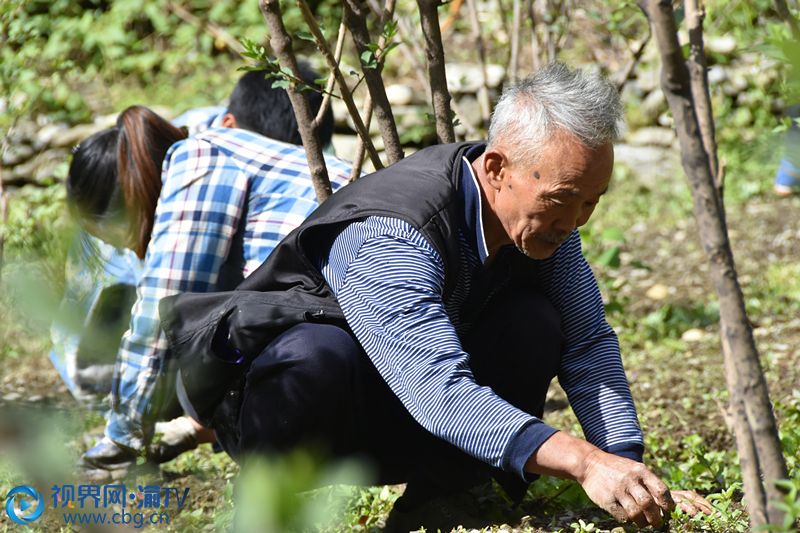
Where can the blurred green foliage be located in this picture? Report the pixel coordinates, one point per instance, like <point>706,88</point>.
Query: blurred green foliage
<point>55,53</point>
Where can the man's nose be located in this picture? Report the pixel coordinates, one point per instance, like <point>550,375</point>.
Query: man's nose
<point>575,218</point>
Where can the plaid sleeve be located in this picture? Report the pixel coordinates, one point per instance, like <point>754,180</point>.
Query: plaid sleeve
<point>197,216</point>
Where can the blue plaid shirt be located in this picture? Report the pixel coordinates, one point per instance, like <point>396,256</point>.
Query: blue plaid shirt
<point>208,182</point>
<point>92,266</point>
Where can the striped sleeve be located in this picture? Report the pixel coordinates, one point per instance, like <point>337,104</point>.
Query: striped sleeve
<point>389,282</point>
<point>591,370</point>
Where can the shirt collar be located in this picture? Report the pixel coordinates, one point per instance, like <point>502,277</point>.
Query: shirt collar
<point>473,208</point>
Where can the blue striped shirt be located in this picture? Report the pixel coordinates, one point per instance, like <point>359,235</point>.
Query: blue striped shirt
<point>389,281</point>
<point>209,182</point>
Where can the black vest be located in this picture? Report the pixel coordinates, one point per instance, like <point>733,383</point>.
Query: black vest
<point>214,336</point>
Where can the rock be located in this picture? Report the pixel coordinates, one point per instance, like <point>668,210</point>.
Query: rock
<point>22,133</point>
<point>657,292</point>
<point>724,44</point>
<point>340,114</point>
<point>654,103</point>
<point>16,154</point>
<point>345,145</point>
<point>35,398</point>
<point>652,137</point>
<point>649,164</point>
<point>47,133</point>
<point>399,94</point>
<point>46,168</point>
<point>693,335</point>
<point>107,121</point>
<point>470,110</point>
<point>737,82</point>
<point>648,80</point>
<point>665,120</point>
<point>408,117</point>
<point>12,397</point>
<point>631,91</point>
<point>717,75</point>
<point>72,136</point>
<point>466,77</point>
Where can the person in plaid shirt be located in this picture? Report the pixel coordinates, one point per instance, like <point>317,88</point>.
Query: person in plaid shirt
<point>200,222</point>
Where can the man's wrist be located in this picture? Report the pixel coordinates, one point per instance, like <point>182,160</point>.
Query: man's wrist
<point>563,456</point>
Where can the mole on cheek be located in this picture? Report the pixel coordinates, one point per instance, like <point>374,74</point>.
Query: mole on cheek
<point>536,174</point>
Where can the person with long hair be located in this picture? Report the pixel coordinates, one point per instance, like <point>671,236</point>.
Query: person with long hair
<point>201,212</point>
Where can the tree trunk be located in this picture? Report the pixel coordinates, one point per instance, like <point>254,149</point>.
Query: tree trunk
<point>699,82</point>
<point>356,20</point>
<point>741,356</point>
<point>281,44</point>
<point>429,18</point>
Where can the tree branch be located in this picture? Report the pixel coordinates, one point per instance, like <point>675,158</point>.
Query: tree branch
<point>281,43</point>
<point>358,159</point>
<point>429,19</point>
<point>326,97</point>
<point>215,31</point>
<point>699,81</point>
<point>636,55</point>
<point>347,96</point>
<point>754,496</point>
<point>356,20</point>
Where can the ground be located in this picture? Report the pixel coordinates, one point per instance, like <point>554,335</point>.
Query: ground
<point>647,255</point>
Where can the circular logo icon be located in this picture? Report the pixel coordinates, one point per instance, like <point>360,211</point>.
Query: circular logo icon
<point>24,504</point>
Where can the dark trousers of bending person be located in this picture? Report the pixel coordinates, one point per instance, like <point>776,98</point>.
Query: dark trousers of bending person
<point>314,387</point>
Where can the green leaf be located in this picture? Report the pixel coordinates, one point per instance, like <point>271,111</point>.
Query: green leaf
<point>610,257</point>
<point>281,84</point>
<point>367,56</point>
<point>305,36</point>
<point>612,234</point>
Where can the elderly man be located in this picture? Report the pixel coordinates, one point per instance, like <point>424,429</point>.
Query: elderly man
<point>442,295</point>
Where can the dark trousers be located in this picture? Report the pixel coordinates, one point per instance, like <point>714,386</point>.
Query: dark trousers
<point>314,386</point>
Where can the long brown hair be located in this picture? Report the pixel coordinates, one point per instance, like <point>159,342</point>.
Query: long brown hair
<point>144,138</point>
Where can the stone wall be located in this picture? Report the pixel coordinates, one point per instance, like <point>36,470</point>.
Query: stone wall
<point>38,150</point>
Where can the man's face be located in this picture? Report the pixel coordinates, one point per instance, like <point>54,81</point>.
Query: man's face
<point>540,204</point>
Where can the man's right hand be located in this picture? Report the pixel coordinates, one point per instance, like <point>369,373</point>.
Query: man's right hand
<point>626,489</point>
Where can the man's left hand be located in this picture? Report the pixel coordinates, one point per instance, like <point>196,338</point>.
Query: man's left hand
<point>691,503</point>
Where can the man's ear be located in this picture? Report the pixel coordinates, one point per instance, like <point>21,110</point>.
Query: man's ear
<point>229,121</point>
<point>495,163</point>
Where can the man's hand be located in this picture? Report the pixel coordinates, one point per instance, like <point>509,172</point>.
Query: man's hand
<point>691,503</point>
<point>626,489</point>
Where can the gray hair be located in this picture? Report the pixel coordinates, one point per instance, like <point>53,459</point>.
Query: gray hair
<point>555,98</point>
